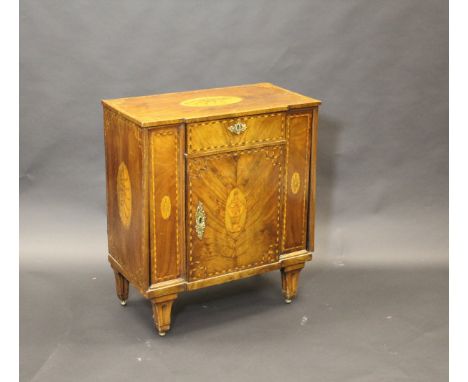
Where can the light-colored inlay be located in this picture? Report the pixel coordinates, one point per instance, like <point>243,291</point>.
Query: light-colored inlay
<point>236,211</point>
<point>210,101</point>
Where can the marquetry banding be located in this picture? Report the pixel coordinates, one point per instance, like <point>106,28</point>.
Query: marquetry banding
<point>277,161</point>
<point>228,121</point>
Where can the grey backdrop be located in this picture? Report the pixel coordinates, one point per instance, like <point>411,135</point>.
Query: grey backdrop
<point>373,304</point>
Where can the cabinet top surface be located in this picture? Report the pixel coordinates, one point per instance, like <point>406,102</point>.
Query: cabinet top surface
<point>208,104</point>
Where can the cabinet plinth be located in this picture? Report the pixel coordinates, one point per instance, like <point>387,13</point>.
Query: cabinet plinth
<point>208,187</point>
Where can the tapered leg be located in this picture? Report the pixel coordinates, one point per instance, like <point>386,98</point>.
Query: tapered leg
<point>162,307</point>
<point>289,280</point>
<point>121,287</point>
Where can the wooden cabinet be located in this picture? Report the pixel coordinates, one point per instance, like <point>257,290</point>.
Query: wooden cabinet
<point>209,186</point>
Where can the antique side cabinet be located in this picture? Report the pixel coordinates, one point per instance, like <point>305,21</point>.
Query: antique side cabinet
<point>209,186</point>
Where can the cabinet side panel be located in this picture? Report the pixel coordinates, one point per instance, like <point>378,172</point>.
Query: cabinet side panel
<point>298,128</point>
<point>127,197</point>
<point>166,198</point>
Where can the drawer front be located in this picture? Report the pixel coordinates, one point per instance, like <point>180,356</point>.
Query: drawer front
<point>234,210</point>
<point>235,132</point>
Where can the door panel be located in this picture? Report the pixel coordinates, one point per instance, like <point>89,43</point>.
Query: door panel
<point>165,206</point>
<point>235,207</point>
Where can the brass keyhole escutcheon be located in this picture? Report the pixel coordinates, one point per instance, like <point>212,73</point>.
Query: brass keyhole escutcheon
<point>200,220</point>
<point>238,128</point>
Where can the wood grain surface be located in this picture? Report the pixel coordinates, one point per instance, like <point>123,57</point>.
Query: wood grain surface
<point>297,181</point>
<point>171,108</point>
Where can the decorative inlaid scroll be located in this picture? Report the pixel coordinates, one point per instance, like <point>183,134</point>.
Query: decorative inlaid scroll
<point>124,195</point>
<point>295,182</point>
<point>232,132</point>
<point>210,101</point>
<point>237,128</point>
<point>165,196</point>
<point>165,207</point>
<point>236,211</point>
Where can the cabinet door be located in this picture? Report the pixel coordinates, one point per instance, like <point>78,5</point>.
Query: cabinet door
<point>234,210</point>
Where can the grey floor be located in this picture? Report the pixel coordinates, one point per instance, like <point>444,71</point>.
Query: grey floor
<point>348,324</point>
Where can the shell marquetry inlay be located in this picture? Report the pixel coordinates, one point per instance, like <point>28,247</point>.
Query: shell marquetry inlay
<point>236,211</point>
<point>211,101</point>
<point>124,194</point>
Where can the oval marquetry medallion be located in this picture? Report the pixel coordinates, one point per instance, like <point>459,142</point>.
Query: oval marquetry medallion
<point>236,211</point>
<point>295,182</point>
<point>210,101</point>
<point>165,207</point>
<point>124,194</point>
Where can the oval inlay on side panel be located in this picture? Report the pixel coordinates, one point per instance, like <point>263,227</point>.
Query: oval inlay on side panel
<point>295,182</point>
<point>165,207</point>
<point>124,195</point>
<point>236,211</point>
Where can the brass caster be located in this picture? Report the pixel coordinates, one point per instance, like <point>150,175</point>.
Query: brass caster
<point>287,300</point>
<point>123,302</point>
<point>162,334</point>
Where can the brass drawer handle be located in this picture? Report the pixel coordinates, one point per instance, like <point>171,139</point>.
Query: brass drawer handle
<point>237,128</point>
<point>200,220</point>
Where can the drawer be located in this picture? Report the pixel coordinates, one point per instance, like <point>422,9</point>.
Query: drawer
<point>235,132</point>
